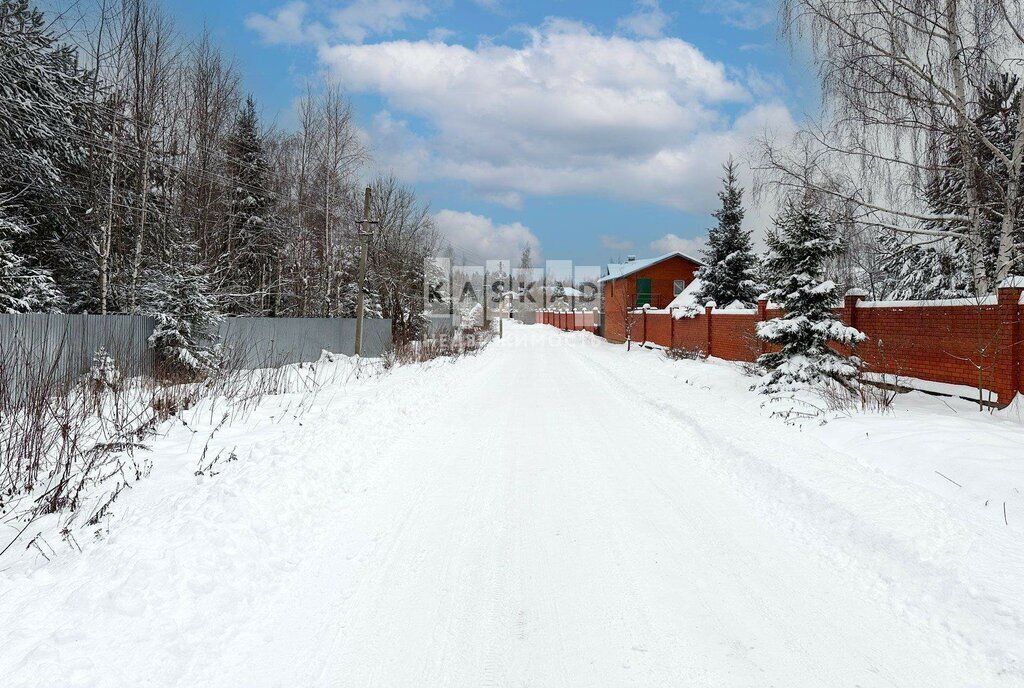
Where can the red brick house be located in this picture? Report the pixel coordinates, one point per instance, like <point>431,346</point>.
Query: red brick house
<point>645,281</point>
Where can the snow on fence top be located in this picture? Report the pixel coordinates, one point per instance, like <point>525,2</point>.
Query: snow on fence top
<point>734,311</point>
<point>986,301</point>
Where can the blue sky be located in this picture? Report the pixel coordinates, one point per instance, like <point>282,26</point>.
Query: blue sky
<point>587,129</point>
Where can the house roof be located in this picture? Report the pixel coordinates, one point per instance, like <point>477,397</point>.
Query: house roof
<point>618,270</point>
<point>569,291</point>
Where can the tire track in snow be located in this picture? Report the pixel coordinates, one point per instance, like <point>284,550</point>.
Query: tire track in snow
<point>722,452</point>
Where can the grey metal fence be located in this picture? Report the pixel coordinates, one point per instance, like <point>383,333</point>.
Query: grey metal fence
<point>440,323</point>
<point>65,344</point>
<point>527,317</point>
<point>272,342</point>
<point>53,350</point>
<point>60,347</point>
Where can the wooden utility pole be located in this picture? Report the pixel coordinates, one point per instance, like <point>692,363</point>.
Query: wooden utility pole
<point>364,236</point>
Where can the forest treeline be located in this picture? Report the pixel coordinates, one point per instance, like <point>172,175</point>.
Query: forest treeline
<point>137,177</point>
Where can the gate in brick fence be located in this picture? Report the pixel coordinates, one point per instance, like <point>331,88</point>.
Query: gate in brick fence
<point>975,343</point>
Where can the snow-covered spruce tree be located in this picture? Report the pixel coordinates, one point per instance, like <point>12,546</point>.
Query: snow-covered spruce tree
<point>250,241</point>
<point>44,117</point>
<point>179,295</point>
<point>23,289</point>
<point>348,289</point>
<point>914,269</point>
<point>799,248</point>
<point>731,269</point>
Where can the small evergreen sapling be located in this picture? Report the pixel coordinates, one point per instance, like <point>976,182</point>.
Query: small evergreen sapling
<point>802,243</point>
<point>471,315</point>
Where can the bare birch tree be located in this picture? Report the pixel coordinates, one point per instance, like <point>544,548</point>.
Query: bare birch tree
<point>901,81</point>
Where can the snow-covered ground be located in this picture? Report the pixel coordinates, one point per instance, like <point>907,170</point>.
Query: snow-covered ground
<point>552,512</point>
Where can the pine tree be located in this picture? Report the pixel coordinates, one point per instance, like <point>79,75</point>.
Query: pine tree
<point>250,244</point>
<point>731,266</point>
<point>802,243</point>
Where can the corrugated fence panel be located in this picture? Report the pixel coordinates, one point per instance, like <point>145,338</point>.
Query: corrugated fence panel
<point>438,323</point>
<point>527,317</point>
<point>272,342</point>
<point>376,336</point>
<point>61,347</point>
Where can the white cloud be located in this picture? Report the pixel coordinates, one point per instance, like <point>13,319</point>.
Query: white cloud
<point>440,34</point>
<point>570,111</point>
<point>479,238</point>
<point>284,26</point>
<point>492,5</point>
<point>671,242</point>
<point>398,149</point>
<point>743,14</point>
<point>355,21</point>
<point>647,21</point>
<point>615,243</point>
<point>509,199</point>
<point>363,18</point>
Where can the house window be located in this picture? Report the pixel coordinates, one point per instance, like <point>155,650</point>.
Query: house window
<point>678,286</point>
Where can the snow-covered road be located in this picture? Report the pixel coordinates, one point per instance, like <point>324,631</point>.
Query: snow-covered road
<point>539,515</point>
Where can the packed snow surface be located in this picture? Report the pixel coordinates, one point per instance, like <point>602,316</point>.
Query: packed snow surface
<point>552,512</point>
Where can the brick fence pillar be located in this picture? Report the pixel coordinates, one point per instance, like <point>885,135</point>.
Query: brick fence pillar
<point>850,301</point>
<point>708,307</point>
<point>672,327</point>
<point>645,326</point>
<point>1008,355</point>
<point>762,315</point>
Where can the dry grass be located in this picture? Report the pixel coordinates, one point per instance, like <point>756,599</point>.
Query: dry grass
<point>680,353</point>
<point>447,345</point>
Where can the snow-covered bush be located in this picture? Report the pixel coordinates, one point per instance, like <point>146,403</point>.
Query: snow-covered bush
<point>472,316</point>
<point>103,373</point>
<point>802,243</point>
<point>681,353</point>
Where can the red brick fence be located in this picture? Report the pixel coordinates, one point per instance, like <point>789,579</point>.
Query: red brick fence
<point>975,343</point>
<point>569,320</point>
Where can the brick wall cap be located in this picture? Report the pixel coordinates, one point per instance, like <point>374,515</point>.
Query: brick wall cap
<point>711,304</point>
<point>1012,282</point>
<point>763,297</point>
<point>856,292</point>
